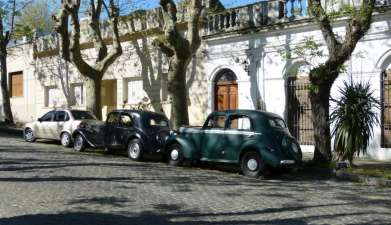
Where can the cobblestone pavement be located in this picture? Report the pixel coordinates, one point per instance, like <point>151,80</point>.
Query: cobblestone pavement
<point>43,183</point>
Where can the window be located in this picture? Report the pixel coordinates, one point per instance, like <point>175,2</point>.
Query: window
<point>386,109</point>
<point>126,120</point>
<point>135,91</point>
<point>52,96</point>
<point>216,122</point>
<point>157,121</point>
<point>61,116</point>
<point>82,115</point>
<point>16,84</point>
<point>240,123</point>
<point>113,118</point>
<point>299,110</point>
<point>277,122</point>
<point>78,93</point>
<point>47,117</point>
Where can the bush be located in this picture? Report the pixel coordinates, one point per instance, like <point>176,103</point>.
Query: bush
<point>354,116</point>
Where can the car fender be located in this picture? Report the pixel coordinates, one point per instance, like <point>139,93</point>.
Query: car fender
<point>269,156</point>
<point>78,131</point>
<point>188,149</point>
<point>134,135</point>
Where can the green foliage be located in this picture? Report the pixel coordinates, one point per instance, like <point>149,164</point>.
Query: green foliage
<point>354,116</point>
<point>344,10</point>
<point>308,50</point>
<point>36,16</point>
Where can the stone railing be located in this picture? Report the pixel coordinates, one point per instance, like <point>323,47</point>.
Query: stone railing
<point>263,13</point>
<point>267,13</point>
<point>258,14</point>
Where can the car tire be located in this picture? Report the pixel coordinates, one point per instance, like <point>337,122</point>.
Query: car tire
<point>66,139</point>
<point>175,155</point>
<point>79,144</point>
<point>29,135</point>
<point>251,164</point>
<point>135,150</point>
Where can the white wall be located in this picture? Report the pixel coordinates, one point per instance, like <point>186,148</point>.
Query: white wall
<point>268,68</point>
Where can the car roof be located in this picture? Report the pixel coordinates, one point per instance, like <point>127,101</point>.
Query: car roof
<point>137,112</point>
<point>249,112</point>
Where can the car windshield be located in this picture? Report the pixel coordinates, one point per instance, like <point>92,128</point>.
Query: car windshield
<point>82,115</point>
<point>277,122</point>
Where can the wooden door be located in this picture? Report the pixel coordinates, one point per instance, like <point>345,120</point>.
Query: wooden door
<point>226,96</point>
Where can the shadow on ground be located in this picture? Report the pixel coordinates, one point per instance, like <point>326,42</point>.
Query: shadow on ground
<point>174,218</point>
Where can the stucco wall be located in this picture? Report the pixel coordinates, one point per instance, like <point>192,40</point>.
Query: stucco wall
<point>264,84</point>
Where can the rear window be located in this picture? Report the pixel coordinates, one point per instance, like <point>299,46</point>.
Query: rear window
<point>82,115</point>
<point>277,122</point>
<point>157,121</point>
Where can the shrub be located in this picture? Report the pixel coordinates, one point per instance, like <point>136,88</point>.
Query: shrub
<point>353,116</point>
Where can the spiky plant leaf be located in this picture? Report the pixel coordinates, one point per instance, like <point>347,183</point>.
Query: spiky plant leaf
<point>354,117</point>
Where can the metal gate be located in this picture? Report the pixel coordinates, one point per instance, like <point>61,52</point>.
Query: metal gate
<point>299,110</point>
<point>386,109</point>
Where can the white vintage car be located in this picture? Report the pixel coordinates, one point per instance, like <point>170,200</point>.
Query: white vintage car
<point>57,124</point>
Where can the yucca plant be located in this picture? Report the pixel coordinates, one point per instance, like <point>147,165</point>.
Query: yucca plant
<point>354,116</point>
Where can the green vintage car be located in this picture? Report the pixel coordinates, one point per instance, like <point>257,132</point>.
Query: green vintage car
<point>255,140</point>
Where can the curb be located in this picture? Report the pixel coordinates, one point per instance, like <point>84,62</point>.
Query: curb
<point>11,131</point>
<point>373,181</point>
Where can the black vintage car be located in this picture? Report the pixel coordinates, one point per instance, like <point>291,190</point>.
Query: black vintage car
<point>139,132</point>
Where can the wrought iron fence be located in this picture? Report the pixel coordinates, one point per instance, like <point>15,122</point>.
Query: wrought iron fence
<point>299,111</point>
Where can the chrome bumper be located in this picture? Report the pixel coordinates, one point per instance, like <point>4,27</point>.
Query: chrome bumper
<point>287,162</point>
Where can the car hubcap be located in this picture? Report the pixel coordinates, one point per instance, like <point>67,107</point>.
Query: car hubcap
<point>65,139</point>
<point>29,135</point>
<point>174,154</point>
<point>78,142</point>
<point>134,150</point>
<point>252,164</point>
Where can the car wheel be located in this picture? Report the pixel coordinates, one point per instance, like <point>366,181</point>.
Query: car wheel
<point>80,143</point>
<point>66,139</point>
<point>29,135</point>
<point>135,150</point>
<point>251,164</point>
<point>175,155</point>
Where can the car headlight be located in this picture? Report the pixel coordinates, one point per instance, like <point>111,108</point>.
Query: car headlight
<point>295,148</point>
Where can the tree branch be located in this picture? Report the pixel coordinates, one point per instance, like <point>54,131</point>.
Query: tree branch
<point>323,20</point>
<point>356,28</point>
<point>194,25</point>
<point>116,50</point>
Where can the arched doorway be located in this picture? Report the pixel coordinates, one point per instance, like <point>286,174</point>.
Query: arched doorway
<point>226,90</point>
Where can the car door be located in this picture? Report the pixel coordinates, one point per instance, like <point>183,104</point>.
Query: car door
<point>239,130</point>
<point>58,124</point>
<point>213,138</point>
<point>110,136</point>
<point>123,129</point>
<point>42,127</point>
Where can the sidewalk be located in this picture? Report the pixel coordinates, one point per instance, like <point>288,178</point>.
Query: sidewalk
<point>368,171</point>
<point>6,129</point>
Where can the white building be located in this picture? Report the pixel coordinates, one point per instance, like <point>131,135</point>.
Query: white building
<point>239,65</point>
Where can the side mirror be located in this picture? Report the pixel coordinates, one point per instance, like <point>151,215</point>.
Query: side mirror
<point>40,120</point>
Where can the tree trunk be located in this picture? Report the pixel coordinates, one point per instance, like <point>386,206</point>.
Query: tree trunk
<point>93,96</point>
<point>4,87</point>
<point>319,96</point>
<point>177,92</point>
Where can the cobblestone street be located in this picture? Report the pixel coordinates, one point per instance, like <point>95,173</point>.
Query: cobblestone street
<point>44,183</point>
